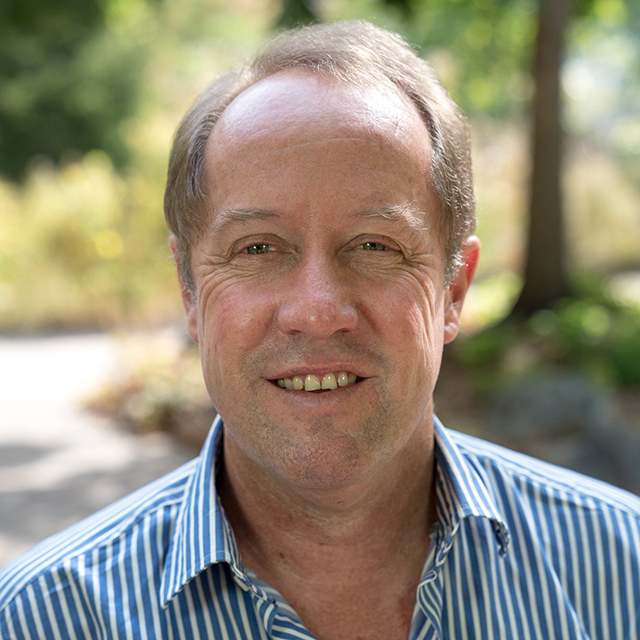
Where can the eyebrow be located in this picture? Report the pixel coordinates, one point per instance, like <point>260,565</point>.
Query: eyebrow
<point>406,214</point>
<point>229,217</point>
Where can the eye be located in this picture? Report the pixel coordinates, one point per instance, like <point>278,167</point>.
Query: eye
<point>374,246</point>
<point>258,248</point>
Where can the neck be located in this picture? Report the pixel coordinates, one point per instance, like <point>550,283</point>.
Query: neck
<point>286,532</point>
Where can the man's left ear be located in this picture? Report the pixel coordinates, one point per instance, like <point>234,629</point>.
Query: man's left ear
<point>459,286</point>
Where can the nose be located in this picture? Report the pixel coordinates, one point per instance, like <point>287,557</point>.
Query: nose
<point>318,301</point>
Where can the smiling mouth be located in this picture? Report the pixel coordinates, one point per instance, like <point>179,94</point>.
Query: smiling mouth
<point>311,382</point>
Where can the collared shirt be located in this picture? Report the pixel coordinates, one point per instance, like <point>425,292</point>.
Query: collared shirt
<point>521,550</point>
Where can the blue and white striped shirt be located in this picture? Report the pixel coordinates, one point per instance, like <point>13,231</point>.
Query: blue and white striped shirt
<point>521,550</point>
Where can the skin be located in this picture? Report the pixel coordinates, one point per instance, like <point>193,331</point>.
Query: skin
<point>322,254</point>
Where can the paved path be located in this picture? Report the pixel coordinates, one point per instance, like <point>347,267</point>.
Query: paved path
<point>58,463</point>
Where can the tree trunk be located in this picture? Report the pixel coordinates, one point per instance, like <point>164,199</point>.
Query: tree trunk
<point>545,278</point>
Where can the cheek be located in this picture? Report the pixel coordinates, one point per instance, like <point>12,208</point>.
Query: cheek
<point>410,317</point>
<point>233,322</point>
<point>424,340</point>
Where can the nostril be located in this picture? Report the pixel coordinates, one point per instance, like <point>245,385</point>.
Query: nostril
<point>316,316</point>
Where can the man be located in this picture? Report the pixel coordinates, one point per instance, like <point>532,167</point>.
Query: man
<point>321,210</point>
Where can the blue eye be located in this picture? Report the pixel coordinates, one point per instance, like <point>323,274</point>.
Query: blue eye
<point>374,246</point>
<point>256,249</point>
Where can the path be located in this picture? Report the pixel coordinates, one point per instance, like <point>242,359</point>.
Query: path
<point>58,463</point>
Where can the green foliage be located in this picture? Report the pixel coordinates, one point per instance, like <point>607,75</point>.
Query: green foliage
<point>595,334</point>
<point>83,245</point>
<point>592,333</point>
<point>68,81</point>
<point>297,12</point>
<point>482,48</point>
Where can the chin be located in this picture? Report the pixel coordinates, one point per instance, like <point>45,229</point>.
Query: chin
<point>316,463</point>
<point>333,465</point>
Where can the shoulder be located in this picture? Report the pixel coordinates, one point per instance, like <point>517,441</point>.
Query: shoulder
<point>573,541</point>
<point>96,534</point>
<point>508,469</point>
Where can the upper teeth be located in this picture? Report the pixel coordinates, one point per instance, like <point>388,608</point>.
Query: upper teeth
<point>311,382</point>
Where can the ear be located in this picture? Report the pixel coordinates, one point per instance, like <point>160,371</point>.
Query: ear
<point>459,286</point>
<point>188,300</point>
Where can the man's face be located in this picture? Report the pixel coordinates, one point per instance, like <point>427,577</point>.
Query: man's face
<point>322,256</point>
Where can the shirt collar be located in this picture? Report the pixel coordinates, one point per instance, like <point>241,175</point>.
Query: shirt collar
<point>462,491</point>
<point>203,536</point>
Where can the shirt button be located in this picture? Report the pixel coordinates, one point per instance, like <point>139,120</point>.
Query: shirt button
<point>242,585</point>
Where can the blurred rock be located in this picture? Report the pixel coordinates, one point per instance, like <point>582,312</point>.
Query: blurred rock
<point>568,420</point>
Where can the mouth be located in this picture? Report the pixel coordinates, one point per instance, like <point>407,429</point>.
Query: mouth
<point>318,383</point>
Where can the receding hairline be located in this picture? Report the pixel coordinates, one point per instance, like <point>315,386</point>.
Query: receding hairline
<point>382,108</point>
<point>367,87</point>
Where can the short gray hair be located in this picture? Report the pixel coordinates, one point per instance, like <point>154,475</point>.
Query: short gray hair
<point>352,51</point>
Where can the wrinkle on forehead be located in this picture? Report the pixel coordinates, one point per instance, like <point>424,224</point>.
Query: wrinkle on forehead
<point>410,216</point>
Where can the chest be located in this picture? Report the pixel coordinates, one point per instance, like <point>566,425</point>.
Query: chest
<point>366,615</point>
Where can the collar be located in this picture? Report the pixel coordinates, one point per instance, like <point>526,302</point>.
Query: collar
<point>202,535</point>
<point>462,491</point>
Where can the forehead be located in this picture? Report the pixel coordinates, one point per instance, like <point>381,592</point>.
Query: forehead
<point>299,144</point>
<point>296,107</point>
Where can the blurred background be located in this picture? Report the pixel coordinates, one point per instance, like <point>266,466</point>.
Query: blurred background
<point>101,392</point>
